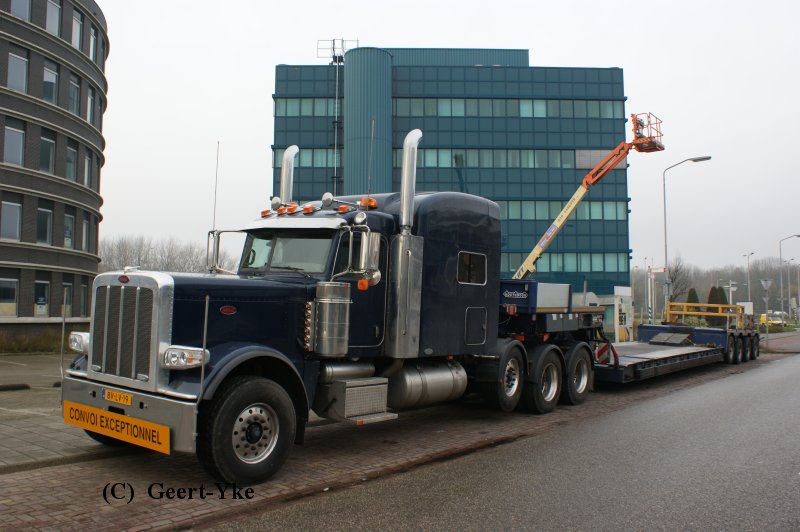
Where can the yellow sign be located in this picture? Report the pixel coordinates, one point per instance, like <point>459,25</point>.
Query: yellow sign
<point>117,397</point>
<point>125,428</point>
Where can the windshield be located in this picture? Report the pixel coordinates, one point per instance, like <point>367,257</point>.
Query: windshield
<point>304,251</point>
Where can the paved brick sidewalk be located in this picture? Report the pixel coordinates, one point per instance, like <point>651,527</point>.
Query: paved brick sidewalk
<point>71,496</point>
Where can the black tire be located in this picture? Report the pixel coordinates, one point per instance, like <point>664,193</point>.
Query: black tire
<point>543,388</point>
<point>578,375</point>
<point>505,393</point>
<point>106,440</point>
<point>745,349</point>
<point>737,350</point>
<point>261,415</point>
<point>729,351</point>
<point>755,351</point>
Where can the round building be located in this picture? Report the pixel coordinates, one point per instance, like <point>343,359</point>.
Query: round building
<point>52,98</point>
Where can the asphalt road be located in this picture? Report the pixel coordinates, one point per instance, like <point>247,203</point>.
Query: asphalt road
<point>722,456</point>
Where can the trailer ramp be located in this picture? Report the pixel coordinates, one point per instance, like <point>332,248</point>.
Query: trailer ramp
<point>639,361</point>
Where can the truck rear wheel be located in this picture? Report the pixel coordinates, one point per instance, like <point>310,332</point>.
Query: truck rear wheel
<point>736,357</point>
<point>745,348</point>
<point>247,432</point>
<point>543,388</point>
<point>578,375</point>
<point>505,393</point>
<point>756,347</point>
<point>729,351</point>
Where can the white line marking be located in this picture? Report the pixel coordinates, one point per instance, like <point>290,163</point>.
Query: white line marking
<point>15,363</point>
<point>24,411</point>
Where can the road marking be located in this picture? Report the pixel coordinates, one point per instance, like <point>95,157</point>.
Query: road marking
<point>15,363</point>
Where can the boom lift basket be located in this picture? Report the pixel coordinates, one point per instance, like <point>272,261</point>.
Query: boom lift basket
<point>646,132</point>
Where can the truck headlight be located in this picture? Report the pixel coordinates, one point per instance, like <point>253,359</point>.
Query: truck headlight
<point>178,357</point>
<point>79,342</point>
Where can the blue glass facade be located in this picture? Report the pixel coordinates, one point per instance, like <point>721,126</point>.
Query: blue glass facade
<point>522,136</point>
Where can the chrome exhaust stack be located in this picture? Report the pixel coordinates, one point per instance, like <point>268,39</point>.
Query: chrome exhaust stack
<point>287,173</point>
<point>408,179</point>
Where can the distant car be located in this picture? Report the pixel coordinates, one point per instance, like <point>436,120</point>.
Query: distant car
<point>775,320</point>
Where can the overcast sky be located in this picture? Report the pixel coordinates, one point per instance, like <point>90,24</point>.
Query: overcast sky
<point>185,74</point>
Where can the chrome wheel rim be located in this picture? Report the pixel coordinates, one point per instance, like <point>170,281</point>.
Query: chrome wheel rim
<point>255,433</point>
<point>581,378</point>
<point>549,382</point>
<point>511,377</point>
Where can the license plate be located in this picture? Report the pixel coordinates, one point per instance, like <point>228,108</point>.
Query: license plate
<point>125,428</point>
<point>117,397</point>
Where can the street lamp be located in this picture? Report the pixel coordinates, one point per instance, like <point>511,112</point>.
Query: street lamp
<point>789,283</point>
<point>780,265</point>
<point>667,282</point>
<point>747,256</point>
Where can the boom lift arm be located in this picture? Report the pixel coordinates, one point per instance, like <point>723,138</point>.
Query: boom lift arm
<point>647,138</point>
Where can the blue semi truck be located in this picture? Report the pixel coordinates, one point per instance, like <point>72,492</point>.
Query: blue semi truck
<point>355,308</point>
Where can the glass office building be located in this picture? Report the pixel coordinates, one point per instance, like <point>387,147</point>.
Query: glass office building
<point>492,125</point>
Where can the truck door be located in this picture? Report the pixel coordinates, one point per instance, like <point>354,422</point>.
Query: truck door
<point>368,310</point>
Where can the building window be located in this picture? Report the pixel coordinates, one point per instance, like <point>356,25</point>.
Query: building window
<point>93,44</point>
<point>87,169</point>
<point>74,104</point>
<point>21,9</point>
<point>66,308</point>
<point>10,220</point>
<point>18,69</point>
<point>14,144</point>
<point>50,81</point>
<point>53,21</point>
<point>44,226</point>
<point>471,268</point>
<point>41,299</point>
<point>85,234</point>
<point>90,106</point>
<point>69,231</point>
<point>47,151</point>
<point>8,297</point>
<point>71,170</point>
<point>77,29</point>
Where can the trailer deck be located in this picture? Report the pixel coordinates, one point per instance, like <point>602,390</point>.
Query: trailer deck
<point>639,361</point>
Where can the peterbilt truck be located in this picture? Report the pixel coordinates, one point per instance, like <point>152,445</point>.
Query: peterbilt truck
<point>356,308</point>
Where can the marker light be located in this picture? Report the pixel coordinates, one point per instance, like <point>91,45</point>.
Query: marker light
<point>344,208</point>
<point>281,210</point>
<point>179,357</point>
<point>310,209</point>
<point>292,209</point>
<point>368,203</point>
<point>266,213</point>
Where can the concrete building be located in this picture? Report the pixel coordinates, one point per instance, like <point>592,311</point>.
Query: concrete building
<point>52,99</point>
<point>493,126</point>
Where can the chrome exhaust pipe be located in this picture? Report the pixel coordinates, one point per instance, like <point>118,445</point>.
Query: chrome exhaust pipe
<point>408,179</point>
<point>287,173</point>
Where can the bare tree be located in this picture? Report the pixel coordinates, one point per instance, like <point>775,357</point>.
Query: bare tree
<point>167,254</point>
<point>680,277</point>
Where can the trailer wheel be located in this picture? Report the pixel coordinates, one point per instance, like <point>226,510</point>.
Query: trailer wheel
<point>737,350</point>
<point>578,375</point>
<point>505,392</point>
<point>729,351</point>
<point>543,388</point>
<point>745,348</point>
<point>247,432</point>
<point>755,350</point>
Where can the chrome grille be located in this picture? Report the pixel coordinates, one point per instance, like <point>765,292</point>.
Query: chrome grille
<point>121,329</point>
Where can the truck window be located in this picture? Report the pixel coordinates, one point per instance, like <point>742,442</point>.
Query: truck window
<point>305,251</point>
<point>471,268</point>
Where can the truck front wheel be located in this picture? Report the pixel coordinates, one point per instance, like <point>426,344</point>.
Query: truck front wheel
<point>247,432</point>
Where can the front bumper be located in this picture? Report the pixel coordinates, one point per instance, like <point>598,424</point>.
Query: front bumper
<point>179,416</point>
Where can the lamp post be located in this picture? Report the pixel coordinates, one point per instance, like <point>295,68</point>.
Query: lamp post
<point>789,283</point>
<point>667,282</point>
<point>780,265</point>
<point>747,256</point>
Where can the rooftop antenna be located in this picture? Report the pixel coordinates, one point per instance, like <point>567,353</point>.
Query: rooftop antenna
<point>216,180</point>
<point>335,49</point>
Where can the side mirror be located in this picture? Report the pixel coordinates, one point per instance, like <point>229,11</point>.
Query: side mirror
<point>327,199</point>
<point>369,256</point>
